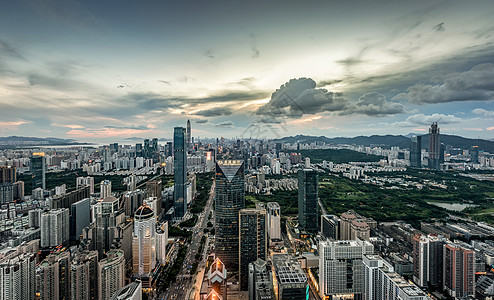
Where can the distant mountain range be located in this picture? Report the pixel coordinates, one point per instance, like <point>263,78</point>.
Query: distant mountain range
<point>34,141</point>
<point>393,140</point>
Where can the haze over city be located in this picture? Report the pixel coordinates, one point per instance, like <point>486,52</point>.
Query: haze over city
<point>95,71</point>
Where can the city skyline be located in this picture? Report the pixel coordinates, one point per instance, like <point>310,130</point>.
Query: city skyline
<point>91,71</point>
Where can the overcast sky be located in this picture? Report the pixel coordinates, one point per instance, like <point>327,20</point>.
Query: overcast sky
<point>102,70</point>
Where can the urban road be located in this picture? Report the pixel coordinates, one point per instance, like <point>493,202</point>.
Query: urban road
<point>180,289</point>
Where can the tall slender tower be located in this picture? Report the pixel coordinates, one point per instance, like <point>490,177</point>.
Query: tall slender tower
<point>189,136</point>
<point>434,147</point>
<point>229,200</point>
<point>38,168</point>
<point>252,237</point>
<point>416,152</point>
<point>308,200</point>
<point>180,172</point>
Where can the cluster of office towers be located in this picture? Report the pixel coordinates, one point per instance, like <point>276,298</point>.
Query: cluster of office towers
<point>244,235</point>
<point>436,149</point>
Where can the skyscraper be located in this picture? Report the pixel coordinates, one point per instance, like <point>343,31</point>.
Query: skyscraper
<point>153,189</point>
<point>38,169</point>
<point>108,217</point>
<point>84,276</point>
<point>434,147</point>
<point>308,200</point>
<point>80,217</point>
<point>459,273</point>
<point>229,200</point>
<point>252,238</point>
<point>105,189</point>
<point>274,222</point>
<point>8,174</point>
<point>428,260</point>
<point>144,244</point>
<point>189,136</point>
<point>416,151</point>
<point>54,227</point>
<point>179,172</point>
<point>53,276</point>
<point>18,277</point>
<point>111,274</point>
<point>340,267</point>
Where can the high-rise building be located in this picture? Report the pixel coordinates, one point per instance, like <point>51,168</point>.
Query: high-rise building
<point>308,206</point>
<point>8,174</point>
<point>6,192</point>
<point>161,241</point>
<point>459,271</point>
<point>428,260</point>
<point>260,281</point>
<point>474,155</point>
<point>84,276</point>
<point>105,189</point>
<point>341,271</point>
<point>66,200</point>
<point>139,150</point>
<point>132,291</point>
<point>108,217</point>
<point>289,280</point>
<point>360,230</point>
<point>80,181</point>
<point>229,200</point>
<point>416,152</point>
<point>252,239</point>
<point>55,227</point>
<point>179,172</point>
<point>53,277</point>
<point>434,147</point>
<point>144,245</point>
<point>153,189</point>
<point>381,282</point>
<point>189,136</point>
<point>38,169</point>
<point>80,218</point>
<point>111,274</point>
<point>18,277</point>
<point>133,200</point>
<point>18,190</point>
<point>330,227</point>
<point>274,222</point>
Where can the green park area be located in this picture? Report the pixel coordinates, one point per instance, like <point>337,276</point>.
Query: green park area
<point>390,203</point>
<point>338,156</point>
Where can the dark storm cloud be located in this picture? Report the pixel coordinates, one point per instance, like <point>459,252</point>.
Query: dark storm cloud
<point>215,112</point>
<point>227,124</point>
<point>298,97</point>
<point>374,104</point>
<point>324,83</point>
<point>476,84</point>
<point>397,80</point>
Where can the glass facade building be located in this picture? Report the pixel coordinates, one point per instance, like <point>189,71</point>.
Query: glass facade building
<point>229,200</point>
<point>308,200</point>
<point>179,172</point>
